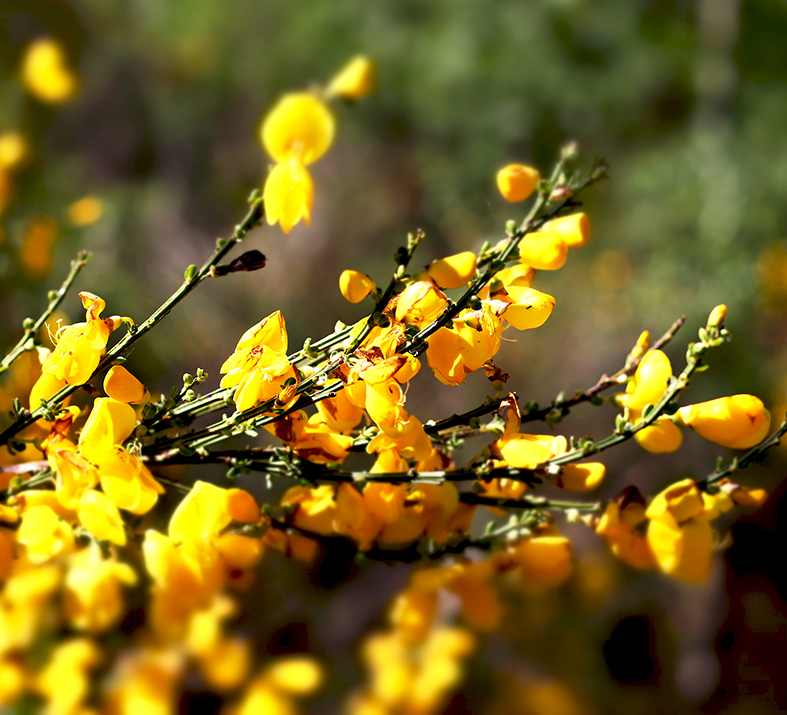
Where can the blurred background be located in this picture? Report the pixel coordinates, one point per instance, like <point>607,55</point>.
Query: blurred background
<point>150,155</point>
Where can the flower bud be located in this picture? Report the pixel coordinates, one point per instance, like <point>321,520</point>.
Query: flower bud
<point>739,421</point>
<point>250,261</point>
<point>357,79</point>
<point>717,316</point>
<point>516,182</point>
<point>355,286</point>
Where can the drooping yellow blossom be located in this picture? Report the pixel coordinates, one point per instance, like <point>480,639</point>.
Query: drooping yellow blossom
<point>85,211</point>
<point>288,194</point>
<point>295,133</point>
<point>12,149</point>
<point>100,516</point>
<point>679,533</point>
<point>355,286</point>
<point>543,251</point>
<point>81,345</point>
<point>312,438</point>
<point>259,366</point>
<point>522,307</point>
<point>45,72</point>
<point>544,560</point>
<point>273,690</point>
<point>13,680</point>
<point>93,597</point>
<point>357,79</point>
<point>647,386</point>
<point>738,422</point>
<point>453,271</point>
<point>524,451</point>
<point>516,182</point>
<point>145,680</point>
<point>122,386</point>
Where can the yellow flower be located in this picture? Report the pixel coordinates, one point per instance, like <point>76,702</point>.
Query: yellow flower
<point>650,380</point>
<point>679,533</point>
<point>85,211</point>
<point>80,346</point>
<point>573,229</point>
<point>619,526</point>
<point>100,516</point>
<point>420,303</point>
<point>516,182</point>
<point>64,680</point>
<point>45,73</point>
<point>355,286</point>
<point>453,271</point>
<point>524,308</point>
<point>544,561</point>
<point>357,79</point>
<point>122,386</point>
<point>543,251</point>
<point>288,194</point>
<point>299,125</point>
<point>44,534</point>
<point>259,366</point>
<point>93,599</point>
<point>581,478</point>
<point>12,149</point>
<point>739,421</point>
<point>316,508</point>
<point>354,518</point>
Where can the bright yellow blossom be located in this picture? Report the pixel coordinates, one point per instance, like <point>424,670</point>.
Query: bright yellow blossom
<point>259,366</point>
<point>357,79</point>
<point>516,182</point>
<point>12,149</point>
<point>288,194</point>
<point>45,73</point>
<point>355,286</point>
<point>739,421</point>
<point>453,271</point>
<point>80,346</point>
<point>573,229</point>
<point>122,386</point>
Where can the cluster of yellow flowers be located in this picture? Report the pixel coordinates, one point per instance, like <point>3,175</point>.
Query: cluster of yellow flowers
<point>80,528</point>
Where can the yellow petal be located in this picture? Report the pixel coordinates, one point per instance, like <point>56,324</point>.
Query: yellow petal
<point>516,182</point>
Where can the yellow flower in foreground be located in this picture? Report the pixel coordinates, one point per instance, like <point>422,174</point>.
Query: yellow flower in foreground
<point>80,346</point>
<point>516,182</point>
<point>122,386</point>
<point>573,229</point>
<point>355,286</point>
<point>453,271</point>
<point>739,421</point>
<point>259,366</point>
<point>357,79</point>
<point>45,73</point>
<point>44,534</point>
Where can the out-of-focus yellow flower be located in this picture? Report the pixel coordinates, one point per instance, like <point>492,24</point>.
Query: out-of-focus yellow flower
<point>296,132</point>
<point>297,675</point>
<point>145,681</point>
<point>35,254</point>
<point>544,560</point>
<point>122,386</point>
<point>581,478</point>
<point>45,73</point>
<point>259,366</point>
<point>80,346</point>
<point>13,680</point>
<point>355,286</point>
<point>85,211</point>
<point>357,79</point>
<point>288,194</point>
<point>679,533</point>
<point>12,149</point>
<point>100,516</point>
<point>739,421</point>
<point>299,125</point>
<point>93,598</point>
<point>64,680</point>
<point>516,182</point>
<point>619,526</point>
<point>44,534</point>
<point>453,271</point>
<point>316,507</point>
